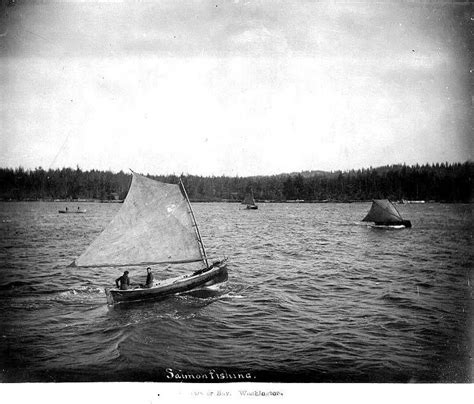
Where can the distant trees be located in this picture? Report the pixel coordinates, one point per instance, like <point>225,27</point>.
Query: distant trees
<point>439,182</point>
<point>20,184</point>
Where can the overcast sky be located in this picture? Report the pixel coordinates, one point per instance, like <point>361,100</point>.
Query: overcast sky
<point>233,87</point>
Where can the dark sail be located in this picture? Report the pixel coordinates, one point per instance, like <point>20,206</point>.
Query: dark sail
<point>249,199</point>
<point>383,212</point>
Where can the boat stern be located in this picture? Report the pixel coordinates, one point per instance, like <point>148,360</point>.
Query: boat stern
<point>110,298</point>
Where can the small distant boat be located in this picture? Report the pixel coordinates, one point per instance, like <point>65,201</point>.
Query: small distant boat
<point>250,201</point>
<point>384,214</point>
<point>78,210</point>
<point>407,201</point>
<point>154,226</point>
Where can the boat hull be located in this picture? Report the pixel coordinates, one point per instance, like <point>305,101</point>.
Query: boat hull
<point>401,224</point>
<point>252,207</point>
<point>216,273</point>
<point>71,211</point>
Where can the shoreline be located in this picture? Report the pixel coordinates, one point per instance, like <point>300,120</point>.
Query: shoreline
<point>237,202</point>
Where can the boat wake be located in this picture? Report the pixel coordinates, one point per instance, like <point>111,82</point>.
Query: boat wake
<point>207,292</point>
<point>85,290</point>
<point>83,294</point>
<point>37,300</point>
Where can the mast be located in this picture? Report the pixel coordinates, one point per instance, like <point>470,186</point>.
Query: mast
<point>196,228</point>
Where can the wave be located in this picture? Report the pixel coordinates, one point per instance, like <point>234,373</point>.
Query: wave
<point>14,285</point>
<point>396,299</point>
<point>80,295</point>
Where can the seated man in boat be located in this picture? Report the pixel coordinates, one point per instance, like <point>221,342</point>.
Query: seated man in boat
<point>149,278</point>
<point>124,281</point>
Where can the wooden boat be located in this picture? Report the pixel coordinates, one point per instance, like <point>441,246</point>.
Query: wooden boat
<point>250,201</point>
<point>217,272</point>
<point>406,201</point>
<point>384,214</point>
<point>154,226</point>
<point>72,211</point>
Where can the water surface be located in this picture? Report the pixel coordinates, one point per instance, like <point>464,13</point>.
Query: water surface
<point>313,295</point>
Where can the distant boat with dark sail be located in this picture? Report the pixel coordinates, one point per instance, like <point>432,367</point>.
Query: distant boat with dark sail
<point>155,226</point>
<point>67,210</point>
<point>384,213</point>
<point>249,201</point>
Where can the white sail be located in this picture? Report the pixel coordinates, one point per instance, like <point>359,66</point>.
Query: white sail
<point>154,225</point>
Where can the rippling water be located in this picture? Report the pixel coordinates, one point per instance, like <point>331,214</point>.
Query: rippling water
<point>313,295</point>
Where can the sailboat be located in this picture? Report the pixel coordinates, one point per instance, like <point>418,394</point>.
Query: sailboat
<point>249,201</point>
<point>384,213</point>
<point>155,225</point>
<point>79,210</point>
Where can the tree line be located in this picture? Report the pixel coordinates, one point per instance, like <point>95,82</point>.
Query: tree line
<point>445,182</point>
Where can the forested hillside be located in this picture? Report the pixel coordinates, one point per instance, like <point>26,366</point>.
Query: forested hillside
<point>439,182</point>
